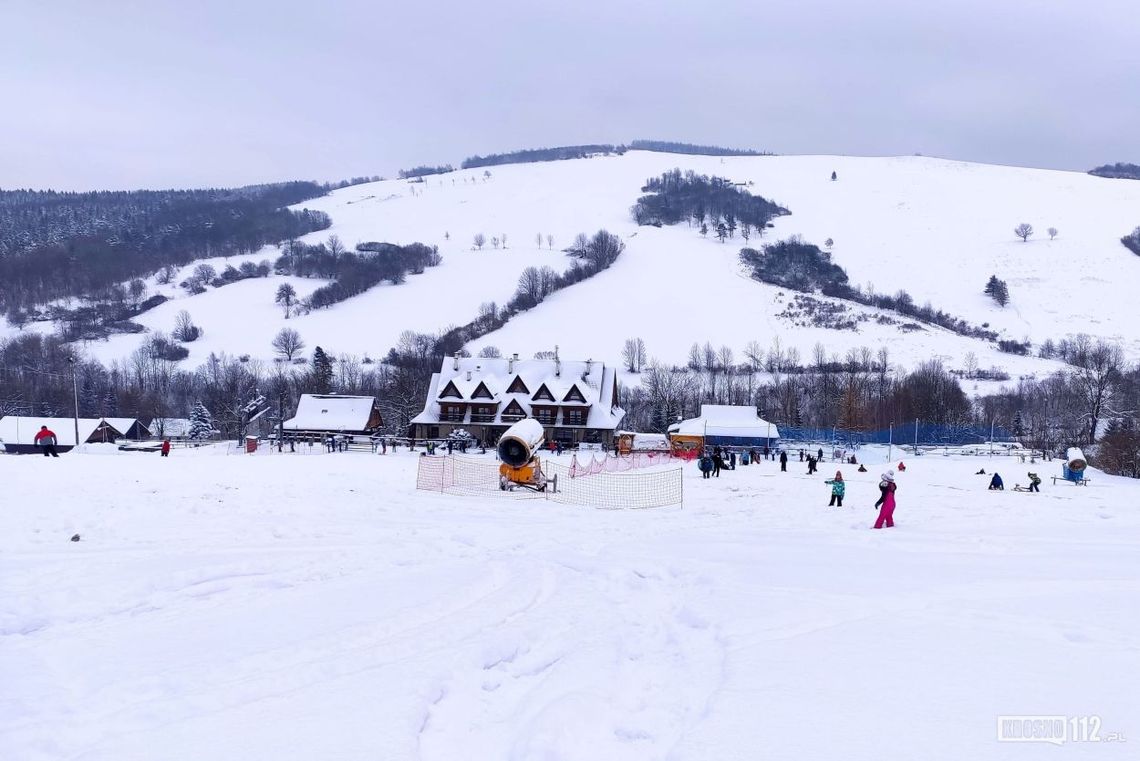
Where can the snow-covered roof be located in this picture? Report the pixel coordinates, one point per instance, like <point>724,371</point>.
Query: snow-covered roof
<point>594,381</point>
<point>331,412</point>
<point>16,429</point>
<point>727,420</point>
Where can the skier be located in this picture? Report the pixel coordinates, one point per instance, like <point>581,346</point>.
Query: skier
<point>838,488</point>
<point>166,448</point>
<point>1034,482</point>
<point>46,438</point>
<point>996,483</point>
<point>783,461</point>
<point>886,503</point>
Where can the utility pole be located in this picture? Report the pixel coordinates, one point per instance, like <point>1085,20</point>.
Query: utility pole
<point>891,441</point>
<point>916,437</point>
<point>75,396</point>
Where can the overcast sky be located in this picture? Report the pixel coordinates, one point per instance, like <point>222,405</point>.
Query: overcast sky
<point>155,93</point>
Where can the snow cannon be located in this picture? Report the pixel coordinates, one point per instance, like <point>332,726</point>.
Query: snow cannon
<point>518,449</point>
<point>1074,466</point>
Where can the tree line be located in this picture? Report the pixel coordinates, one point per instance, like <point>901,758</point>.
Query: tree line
<point>68,245</point>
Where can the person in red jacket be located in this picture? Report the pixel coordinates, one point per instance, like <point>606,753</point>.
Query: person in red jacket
<point>46,438</point>
<point>166,447</point>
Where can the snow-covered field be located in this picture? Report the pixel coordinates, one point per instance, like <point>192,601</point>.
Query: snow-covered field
<point>933,227</point>
<point>317,607</point>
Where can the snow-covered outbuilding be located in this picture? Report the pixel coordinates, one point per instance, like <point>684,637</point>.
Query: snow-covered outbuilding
<point>335,413</point>
<point>724,425</point>
<point>575,401</point>
<point>18,433</point>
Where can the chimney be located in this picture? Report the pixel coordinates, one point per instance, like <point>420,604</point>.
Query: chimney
<point>511,363</point>
<point>468,375</point>
<point>455,362</point>
<point>557,363</point>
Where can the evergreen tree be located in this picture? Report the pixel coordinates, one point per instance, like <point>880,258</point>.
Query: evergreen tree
<point>997,290</point>
<point>322,371</point>
<point>201,423</point>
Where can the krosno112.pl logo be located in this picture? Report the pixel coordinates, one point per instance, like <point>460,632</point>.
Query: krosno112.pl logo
<point>1057,730</point>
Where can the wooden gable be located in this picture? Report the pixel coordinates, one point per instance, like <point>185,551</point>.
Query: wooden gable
<point>450,391</point>
<point>514,408</point>
<point>574,395</point>
<point>543,393</point>
<point>482,392</point>
<point>517,386</point>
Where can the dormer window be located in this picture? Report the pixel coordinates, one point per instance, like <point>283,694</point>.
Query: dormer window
<point>574,395</point>
<point>543,393</point>
<point>482,392</point>
<point>450,391</point>
<point>517,386</point>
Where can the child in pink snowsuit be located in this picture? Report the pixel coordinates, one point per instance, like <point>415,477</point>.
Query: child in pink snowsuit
<point>886,503</point>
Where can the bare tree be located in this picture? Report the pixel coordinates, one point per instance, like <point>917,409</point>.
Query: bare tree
<point>829,243</point>
<point>288,344</point>
<point>335,247</point>
<point>754,353</point>
<point>726,358</point>
<point>971,364</point>
<point>479,240</point>
<point>184,328</point>
<point>286,297</point>
<point>538,240</point>
<point>1023,231</point>
<point>1096,370</point>
<point>503,238</point>
<point>495,242</point>
<point>549,241</point>
<point>490,352</point>
<point>1052,232</point>
<point>629,354</point>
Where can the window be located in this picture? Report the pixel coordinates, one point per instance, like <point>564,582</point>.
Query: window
<point>482,392</point>
<point>574,417</point>
<point>545,416</point>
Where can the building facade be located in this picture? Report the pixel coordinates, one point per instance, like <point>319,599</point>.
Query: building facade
<point>574,401</point>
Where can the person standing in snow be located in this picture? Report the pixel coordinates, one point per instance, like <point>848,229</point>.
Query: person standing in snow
<point>1034,482</point>
<point>705,464</point>
<point>783,462</point>
<point>886,503</point>
<point>732,460</point>
<point>46,438</point>
<point>838,489</point>
<point>165,451</point>
<point>819,455</point>
<point>811,465</point>
<point>718,462</point>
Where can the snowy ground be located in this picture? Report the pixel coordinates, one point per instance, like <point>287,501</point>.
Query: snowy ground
<point>317,607</point>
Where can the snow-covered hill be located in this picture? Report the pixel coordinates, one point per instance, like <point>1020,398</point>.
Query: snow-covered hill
<point>936,228</point>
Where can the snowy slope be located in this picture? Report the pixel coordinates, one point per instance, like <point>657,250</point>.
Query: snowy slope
<point>935,228</point>
<point>274,607</point>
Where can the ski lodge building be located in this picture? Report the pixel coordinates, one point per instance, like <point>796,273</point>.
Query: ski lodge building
<point>575,401</point>
<point>335,413</point>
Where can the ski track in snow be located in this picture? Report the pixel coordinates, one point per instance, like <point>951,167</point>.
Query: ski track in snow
<point>318,607</point>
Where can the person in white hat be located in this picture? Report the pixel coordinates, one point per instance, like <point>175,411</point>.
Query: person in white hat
<point>886,503</point>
